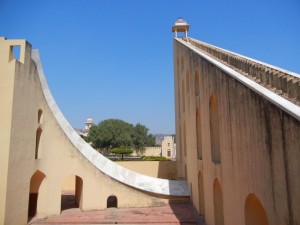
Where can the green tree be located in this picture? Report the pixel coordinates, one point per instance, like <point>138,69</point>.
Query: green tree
<point>114,133</point>
<point>111,133</point>
<point>141,138</point>
<point>150,140</point>
<point>122,150</point>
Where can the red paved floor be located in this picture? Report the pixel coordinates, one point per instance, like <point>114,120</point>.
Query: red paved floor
<point>172,213</point>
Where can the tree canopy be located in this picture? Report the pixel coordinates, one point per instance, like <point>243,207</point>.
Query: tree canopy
<point>115,133</point>
<point>122,150</point>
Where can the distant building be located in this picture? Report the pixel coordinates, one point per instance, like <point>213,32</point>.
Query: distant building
<point>89,122</point>
<point>168,147</point>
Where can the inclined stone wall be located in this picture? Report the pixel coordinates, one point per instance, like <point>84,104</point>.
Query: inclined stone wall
<point>258,141</point>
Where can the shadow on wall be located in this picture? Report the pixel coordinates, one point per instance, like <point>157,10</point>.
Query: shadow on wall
<point>71,193</point>
<point>167,170</point>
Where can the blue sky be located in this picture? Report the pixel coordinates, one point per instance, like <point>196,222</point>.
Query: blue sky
<point>114,59</point>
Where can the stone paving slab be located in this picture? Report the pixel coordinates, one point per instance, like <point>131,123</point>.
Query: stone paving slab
<point>169,214</point>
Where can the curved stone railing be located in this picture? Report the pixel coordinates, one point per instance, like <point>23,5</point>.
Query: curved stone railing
<point>115,171</point>
<point>282,82</point>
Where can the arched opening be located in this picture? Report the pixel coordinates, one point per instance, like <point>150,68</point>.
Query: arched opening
<point>218,203</point>
<point>201,193</point>
<point>198,133</point>
<point>35,183</point>
<point>183,96</point>
<point>182,64</point>
<point>71,192</point>
<point>179,100</point>
<point>37,143</point>
<point>254,211</point>
<point>40,116</point>
<point>169,153</point>
<point>180,143</point>
<point>112,201</point>
<point>184,138</point>
<point>197,85</point>
<point>187,81</point>
<point>214,128</point>
<point>185,171</point>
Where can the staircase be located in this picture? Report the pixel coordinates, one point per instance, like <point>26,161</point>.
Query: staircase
<point>283,83</point>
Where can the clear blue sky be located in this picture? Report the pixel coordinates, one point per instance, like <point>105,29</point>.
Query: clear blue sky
<point>114,58</point>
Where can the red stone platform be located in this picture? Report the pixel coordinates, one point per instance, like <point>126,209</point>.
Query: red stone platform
<point>172,213</point>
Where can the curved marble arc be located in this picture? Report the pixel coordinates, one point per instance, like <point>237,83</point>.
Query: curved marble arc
<point>115,171</point>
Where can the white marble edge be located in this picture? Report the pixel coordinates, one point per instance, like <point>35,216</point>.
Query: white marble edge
<point>279,101</point>
<point>115,171</point>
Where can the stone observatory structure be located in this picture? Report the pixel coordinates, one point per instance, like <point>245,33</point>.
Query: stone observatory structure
<point>40,151</point>
<point>237,134</point>
<point>237,142</point>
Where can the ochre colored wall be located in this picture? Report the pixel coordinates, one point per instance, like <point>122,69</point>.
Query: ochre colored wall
<point>259,143</point>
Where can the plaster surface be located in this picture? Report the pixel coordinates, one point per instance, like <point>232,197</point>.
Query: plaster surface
<point>237,141</point>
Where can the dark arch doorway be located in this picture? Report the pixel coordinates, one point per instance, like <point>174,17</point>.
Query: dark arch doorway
<point>201,193</point>
<point>35,183</point>
<point>112,202</point>
<point>214,129</point>
<point>71,192</point>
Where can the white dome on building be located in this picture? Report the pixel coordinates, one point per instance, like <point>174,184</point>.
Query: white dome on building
<point>180,21</point>
<point>89,120</point>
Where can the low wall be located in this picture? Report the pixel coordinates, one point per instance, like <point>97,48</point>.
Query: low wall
<point>159,169</point>
<point>149,151</point>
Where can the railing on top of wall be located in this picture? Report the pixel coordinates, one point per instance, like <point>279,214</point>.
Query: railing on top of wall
<point>279,81</point>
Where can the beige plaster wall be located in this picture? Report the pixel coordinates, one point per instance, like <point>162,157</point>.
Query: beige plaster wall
<point>259,145</point>
<point>149,151</point>
<point>6,98</point>
<point>159,169</point>
<point>68,184</point>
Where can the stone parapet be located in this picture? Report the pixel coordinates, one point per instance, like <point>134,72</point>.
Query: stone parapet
<point>282,82</point>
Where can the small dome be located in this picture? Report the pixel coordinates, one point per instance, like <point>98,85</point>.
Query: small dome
<point>180,26</point>
<point>180,21</point>
<point>89,120</point>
